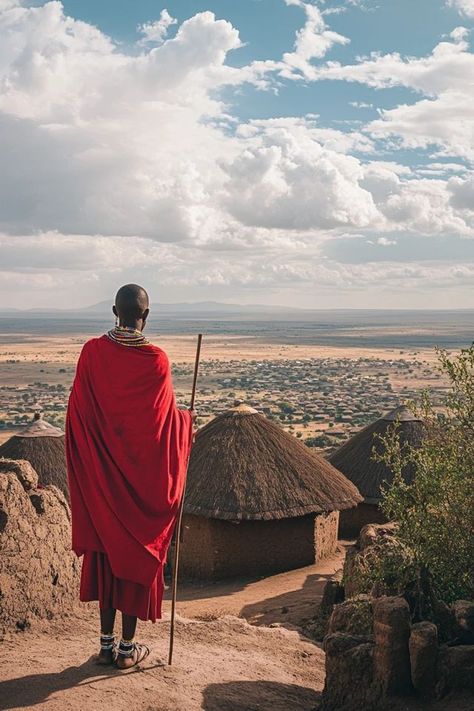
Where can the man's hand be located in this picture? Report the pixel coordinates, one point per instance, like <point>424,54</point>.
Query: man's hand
<point>193,416</point>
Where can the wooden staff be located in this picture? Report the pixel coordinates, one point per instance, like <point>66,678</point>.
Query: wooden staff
<point>180,515</point>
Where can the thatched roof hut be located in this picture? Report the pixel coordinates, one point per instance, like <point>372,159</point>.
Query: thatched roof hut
<point>43,445</point>
<point>246,469</point>
<point>355,457</point>
<point>355,460</point>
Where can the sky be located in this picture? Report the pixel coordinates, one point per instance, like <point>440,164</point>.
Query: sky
<point>308,153</point>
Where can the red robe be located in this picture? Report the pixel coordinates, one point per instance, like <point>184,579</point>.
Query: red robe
<point>127,447</point>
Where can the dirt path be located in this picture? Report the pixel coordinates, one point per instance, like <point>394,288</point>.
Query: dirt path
<point>290,597</point>
<point>222,663</point>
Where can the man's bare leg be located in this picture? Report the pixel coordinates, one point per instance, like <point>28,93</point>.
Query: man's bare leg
<point>107,640</point>
<point>130,653</point>
<point>129,627</point>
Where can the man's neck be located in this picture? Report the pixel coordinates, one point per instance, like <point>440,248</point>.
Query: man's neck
<point>135,325</point>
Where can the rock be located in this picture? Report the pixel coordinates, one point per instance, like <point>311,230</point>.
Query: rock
<point>25,473</point>
<point>318,626</point>
<point>353,616</point>
<point>391,655</point>
<point>445,622</point>
<point>349,672</point>
<point>464,621</point>
<point>455,669</point>
<point>333,594</point>
<point>350,577</point>
<point>423,646</point>
<point>378,551</point>
<point>39,574</point>
<point>373,533</point>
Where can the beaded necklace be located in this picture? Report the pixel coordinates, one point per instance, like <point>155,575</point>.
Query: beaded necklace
<point>127,336</point>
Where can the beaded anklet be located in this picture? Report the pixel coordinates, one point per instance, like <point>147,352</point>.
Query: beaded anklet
<point>126,648</point>
<point>107,642</point>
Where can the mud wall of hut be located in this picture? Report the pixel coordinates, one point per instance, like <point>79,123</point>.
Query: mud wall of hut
<point>325,535</point>
<point>214,549</point>
<point>221,549</point>
<point>353,520</point>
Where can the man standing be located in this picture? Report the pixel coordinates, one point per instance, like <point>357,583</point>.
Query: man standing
<point>127,450</point>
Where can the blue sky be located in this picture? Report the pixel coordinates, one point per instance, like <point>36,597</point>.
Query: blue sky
<point>318,153</point>
<point>267,29</point>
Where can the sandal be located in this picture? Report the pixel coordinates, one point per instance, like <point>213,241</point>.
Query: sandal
<point>130,654</point>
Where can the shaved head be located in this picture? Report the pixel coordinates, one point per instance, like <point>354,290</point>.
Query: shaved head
<point>132,306</point>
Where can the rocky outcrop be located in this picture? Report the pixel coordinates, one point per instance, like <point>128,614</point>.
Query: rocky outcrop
<point>39,575</point>
<point>375,654</point>
<point>423,646</point>
<point>354,616</point>
<point>333,594</point>
<point>463,611</point>
<point>455,669</point>
<point>391,655</point>
<point>349,673</point>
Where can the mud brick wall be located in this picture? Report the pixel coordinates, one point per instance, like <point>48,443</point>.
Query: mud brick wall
<point>221,549</point>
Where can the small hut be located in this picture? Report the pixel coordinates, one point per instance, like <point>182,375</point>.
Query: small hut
<point>258,501</point>
<point>43,445</point>
<point>355,460</point>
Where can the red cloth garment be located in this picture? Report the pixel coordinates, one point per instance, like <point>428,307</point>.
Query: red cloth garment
<point>99,583</point>
<point>127,447</point>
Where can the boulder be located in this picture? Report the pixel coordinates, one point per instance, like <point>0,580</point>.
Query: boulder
<point>379,563</point>
<point>464,621</point>
<point>39,574</point>
<point>349,672</point>
<point>391,655</point>
<point>455,669</point>
<point>333,593</point>
<point>353,616</point>
<point>373,533</point>
<point>423,646</point>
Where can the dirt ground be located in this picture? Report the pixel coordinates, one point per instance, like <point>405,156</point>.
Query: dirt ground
<point>221,662</point>
<point>287,598</point>
<point>222,665</point>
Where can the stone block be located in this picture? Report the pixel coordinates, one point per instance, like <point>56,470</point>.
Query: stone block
<point>392,668</point>
<point>423,646</point>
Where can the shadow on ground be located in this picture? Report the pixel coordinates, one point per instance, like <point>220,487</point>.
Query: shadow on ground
<point>33,689</point>
<point>259,696</point>
<point>294,606</point>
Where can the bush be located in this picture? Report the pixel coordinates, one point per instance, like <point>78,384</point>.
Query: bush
<point>436,513</point>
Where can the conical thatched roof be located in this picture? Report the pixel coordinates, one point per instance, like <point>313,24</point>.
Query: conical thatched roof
<point>245,467</point>
<point>41,444</point>
<point>354,457</point>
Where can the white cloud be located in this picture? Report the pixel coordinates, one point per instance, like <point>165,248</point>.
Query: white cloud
<point>287,180</point>
<point>115,162</point>
<point>155,32</point>
<point>444,118</point>
<point>465,7</point>
<point>462,193</point>
<point>313,41</point>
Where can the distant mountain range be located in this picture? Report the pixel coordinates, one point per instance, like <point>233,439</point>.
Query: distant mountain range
<point>183,308</point>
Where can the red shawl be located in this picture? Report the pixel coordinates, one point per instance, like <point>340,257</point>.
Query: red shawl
<point>127,449</point>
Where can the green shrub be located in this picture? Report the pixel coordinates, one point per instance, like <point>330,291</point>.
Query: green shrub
<point>435,514</point>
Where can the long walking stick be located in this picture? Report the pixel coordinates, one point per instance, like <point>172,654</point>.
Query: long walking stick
<point>180,516</point>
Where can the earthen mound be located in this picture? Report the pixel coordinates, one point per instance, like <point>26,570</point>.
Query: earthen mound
<point>38,572</point>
